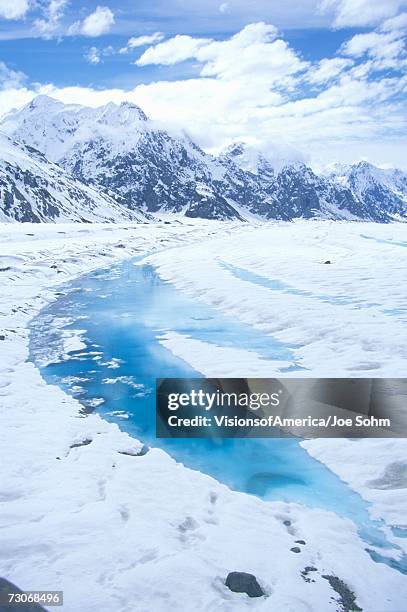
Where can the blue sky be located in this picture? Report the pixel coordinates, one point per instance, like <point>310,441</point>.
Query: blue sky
<point>63,61</point>
<point>325,78</point>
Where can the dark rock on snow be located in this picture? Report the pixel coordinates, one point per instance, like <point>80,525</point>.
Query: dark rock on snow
<point>347,598</point>
<point>241,582</point>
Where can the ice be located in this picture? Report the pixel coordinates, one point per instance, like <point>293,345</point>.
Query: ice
<point>128,531</point>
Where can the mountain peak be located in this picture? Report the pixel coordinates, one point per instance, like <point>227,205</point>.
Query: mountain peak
<point>365,166</point>
<point>265,160</point>
<point>248,157</point>
<point>131,106</point>
<point>54,128</point>
<point>235,149</point>
<point>125,112</point>
<point>44,102</point>
<point>39,105</point>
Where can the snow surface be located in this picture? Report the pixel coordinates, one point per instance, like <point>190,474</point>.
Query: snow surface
<point>347,318</point>
<point>218,361</point>
<point>140,533</point>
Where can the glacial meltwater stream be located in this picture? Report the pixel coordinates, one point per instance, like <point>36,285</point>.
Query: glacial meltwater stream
<point>122,312</point>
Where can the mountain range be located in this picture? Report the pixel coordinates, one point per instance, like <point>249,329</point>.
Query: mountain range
<point>71,162</point>
<point>33,189</point>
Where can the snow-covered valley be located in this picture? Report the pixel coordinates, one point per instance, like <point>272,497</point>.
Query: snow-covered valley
<point>126,531</point>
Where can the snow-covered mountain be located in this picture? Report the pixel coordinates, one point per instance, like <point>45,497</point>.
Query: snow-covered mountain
<point>371,185</point>
<point>34,189</point>
<point>119,149</point>
<point>116,148</point>
<point>293,190</point>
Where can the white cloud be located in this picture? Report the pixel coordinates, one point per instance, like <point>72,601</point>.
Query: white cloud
<point>328,69</point>
<point>254,52</point>
<point>253,86</point>
<point>224,7</point>
<point>361,12</point>
<point>10,79</point>
<point>173,51</point>
<point>141,41</point>
<point>350,115</point>
<point>376,45</point>
<point>395,23</point>
<point>13,9</point>
<point>48,25</point>
<point>97,23</point>
<point>381,49</point>
<point>93,56</point>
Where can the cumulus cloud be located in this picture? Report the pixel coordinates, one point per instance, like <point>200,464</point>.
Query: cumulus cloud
<point>93,56</point>
<point>253,85</point>
<point>361,12</point>
<point>9,78</point>
<point>254,52</point>
<point>350,115</point>
<point>96,24</point>
<point>328,69</point>
<point>141,41</point>
<point>13,9</point>
<point>381,49</point>
<point>395,23</point>
<point>175,50</point>
<point>48,25</point>
<point>376,45</point>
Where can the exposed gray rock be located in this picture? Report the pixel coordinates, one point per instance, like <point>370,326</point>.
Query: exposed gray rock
<point>84,442</point>
<point>347,598</point>
<point>242,582</point>
<point>306,573</point>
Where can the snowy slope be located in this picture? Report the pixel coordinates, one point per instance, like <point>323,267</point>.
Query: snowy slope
<point>36,190</point>
<point>347,318</point>
<point>374,185</point>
